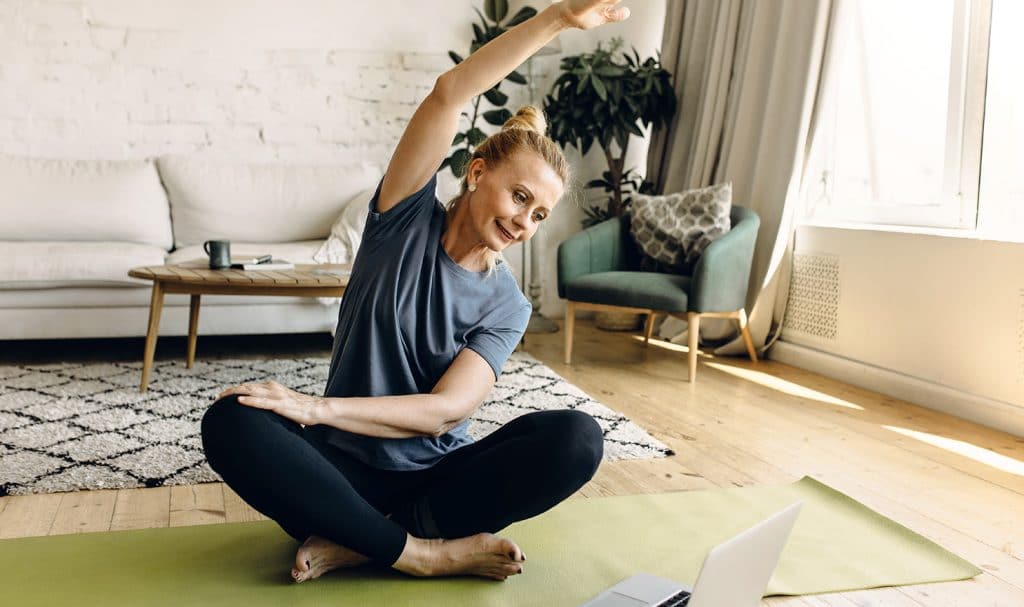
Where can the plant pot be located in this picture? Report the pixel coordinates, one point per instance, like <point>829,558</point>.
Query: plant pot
<point>618,321</point>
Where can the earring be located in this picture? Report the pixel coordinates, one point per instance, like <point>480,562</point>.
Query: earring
<point>472,187</point>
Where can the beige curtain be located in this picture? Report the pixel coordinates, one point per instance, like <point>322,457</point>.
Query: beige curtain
<point>747,74</point>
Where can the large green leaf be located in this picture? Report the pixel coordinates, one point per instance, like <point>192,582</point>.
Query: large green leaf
<point>599,88</point>
<point>483,22</point>
<point>497,117</point>
<point>582,83</point>
<point>496,97</point>
<point>516,77</point>
<point>587,142</point>
<point>475,136</point>
<point>496,9</point>
<point>459,138</point>
<point>459,159</point>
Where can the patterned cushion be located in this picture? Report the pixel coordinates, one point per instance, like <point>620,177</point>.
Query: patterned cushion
<point>674,229</point>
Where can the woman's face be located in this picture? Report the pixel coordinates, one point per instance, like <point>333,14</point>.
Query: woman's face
<point>512,199</point>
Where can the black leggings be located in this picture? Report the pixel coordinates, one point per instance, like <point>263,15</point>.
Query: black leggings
<point>310,487</point>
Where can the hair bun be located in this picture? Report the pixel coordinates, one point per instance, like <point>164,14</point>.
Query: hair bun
<point>529,118</point>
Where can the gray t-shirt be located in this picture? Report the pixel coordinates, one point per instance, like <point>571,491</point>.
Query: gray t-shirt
<point>408,310</point>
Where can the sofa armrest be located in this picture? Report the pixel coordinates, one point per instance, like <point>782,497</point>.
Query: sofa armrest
<point>722,273</point>
<point>599,248</point>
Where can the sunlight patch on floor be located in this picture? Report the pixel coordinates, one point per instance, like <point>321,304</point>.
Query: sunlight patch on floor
<point>978,454</point>
<point>661,343</point>
<point>775,383</point>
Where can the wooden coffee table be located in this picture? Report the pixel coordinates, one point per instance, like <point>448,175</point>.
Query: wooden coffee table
<point>196,279</point>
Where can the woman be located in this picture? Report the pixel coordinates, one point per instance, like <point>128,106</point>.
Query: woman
<point>380,469</point>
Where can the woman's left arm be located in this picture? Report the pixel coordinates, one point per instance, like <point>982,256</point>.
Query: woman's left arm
<point>457,394</point>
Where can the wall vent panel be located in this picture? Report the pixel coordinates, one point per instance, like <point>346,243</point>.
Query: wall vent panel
<point>813,307</point>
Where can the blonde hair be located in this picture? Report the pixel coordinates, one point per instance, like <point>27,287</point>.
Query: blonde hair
<point>523,132</point>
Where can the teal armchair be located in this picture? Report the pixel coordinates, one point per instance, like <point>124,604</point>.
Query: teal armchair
<point>599,269</point>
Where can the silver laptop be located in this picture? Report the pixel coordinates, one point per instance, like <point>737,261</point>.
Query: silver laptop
<point>735,573</point>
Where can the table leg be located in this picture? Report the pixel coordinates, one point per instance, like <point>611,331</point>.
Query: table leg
<point>156,306</point>
<point>193,326</point>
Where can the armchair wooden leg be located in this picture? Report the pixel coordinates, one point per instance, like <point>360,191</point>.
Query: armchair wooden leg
<point>751,350</point>
<point>693,335</point>
<point>650,327</point>
<point>570,325</point>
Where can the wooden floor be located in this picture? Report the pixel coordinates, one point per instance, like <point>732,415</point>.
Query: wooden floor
<point>741,424</point>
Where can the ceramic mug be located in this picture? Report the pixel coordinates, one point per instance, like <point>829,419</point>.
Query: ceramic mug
<point>219,252</point>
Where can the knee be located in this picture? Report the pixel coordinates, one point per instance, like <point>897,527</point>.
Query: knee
<point>583,443</point>
<point>222,423</point>
<point>219,416</point>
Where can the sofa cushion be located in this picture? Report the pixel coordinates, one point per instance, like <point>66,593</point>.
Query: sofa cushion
<point>347,231</point>
<point>42,265</point>
<point>83,200</point>
<point>295,252</point>
<point>258,203</point>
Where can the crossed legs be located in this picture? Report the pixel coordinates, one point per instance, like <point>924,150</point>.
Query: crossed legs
<point>438,521</point>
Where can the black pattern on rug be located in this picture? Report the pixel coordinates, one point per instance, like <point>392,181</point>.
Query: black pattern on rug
<point>75,426</point>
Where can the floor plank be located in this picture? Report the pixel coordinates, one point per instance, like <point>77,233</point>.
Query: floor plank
<point>196,505</point>
<point>29,515</point>
<point>84,511</point>
<point>142,509</point>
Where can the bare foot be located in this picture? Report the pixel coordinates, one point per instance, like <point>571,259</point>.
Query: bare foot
<point>483,555</point>
<point>316,556</point>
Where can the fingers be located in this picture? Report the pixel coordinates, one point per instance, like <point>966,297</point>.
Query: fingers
<point>262,389</point>
<point>255,401</point>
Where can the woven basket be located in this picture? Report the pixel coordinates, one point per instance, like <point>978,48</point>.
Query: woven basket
<point>618,321</point>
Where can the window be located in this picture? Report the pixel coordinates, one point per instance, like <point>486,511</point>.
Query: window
<point>898,139</point>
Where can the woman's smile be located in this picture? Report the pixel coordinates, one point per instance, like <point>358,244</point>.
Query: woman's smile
<point>504,233</point>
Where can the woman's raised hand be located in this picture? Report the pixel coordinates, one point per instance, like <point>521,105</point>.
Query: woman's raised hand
<point>587,14</point>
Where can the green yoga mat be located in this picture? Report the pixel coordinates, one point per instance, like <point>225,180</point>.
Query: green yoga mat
<point>574,551</point>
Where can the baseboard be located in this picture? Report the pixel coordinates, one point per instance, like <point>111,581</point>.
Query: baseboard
<point>979,409</point>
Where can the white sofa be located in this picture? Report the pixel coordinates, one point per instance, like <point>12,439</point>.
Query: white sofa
<point>70,230</point>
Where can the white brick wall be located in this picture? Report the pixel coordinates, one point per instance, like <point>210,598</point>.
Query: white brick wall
<point>71,86</point>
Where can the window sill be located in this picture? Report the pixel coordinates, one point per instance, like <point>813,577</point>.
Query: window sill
<point>968,234</point>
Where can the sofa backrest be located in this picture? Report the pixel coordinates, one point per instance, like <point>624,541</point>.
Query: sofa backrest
<point>83,200</point>
<point>258,203</point>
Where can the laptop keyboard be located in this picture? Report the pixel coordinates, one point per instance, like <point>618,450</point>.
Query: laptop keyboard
<point>680,599</point>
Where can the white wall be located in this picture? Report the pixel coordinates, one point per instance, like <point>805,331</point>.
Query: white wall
<point>304,81</point>
<point>944,314</point>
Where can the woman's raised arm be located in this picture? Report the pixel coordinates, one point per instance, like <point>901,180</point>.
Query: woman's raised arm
<point>430,131</point>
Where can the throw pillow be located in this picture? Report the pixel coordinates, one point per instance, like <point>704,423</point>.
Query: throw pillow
<point>346,234</point>
<point>674,229</point>
<point>347,231</point>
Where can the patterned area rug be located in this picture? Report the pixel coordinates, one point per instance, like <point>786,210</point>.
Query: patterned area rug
<point>68,427</point>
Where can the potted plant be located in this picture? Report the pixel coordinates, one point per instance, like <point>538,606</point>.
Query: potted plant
<point>601,96</point>
<point>604,96</point>
<point>489,28</point>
